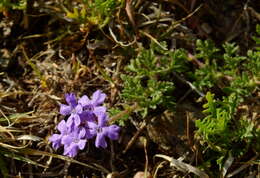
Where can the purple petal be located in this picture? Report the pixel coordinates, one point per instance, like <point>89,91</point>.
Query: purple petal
<point>56,141</point>
<point>82,133</point>
<point>81,144</point>
<point>70,122</point>
<point>99,109</point>
<point>98,97</point>
<point>92,125</point>
<point>92,128</point>
<point>67,140</point>
<point>62,127</point>
<point>55,137</point>
<point>76,119</point>
<point>56,145</point>
<point>79,108</point>
<point>102,119</point>
<point>100,140</point>
<point>84,101</point>
<point>65,109</point>
<point>71,150</point>
<point>112,132</point>
<point>71,99</point>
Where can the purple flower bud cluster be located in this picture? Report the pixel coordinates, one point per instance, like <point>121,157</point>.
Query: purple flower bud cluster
<point>87,119</point>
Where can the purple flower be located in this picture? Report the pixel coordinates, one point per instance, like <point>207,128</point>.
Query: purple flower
<point>101,130</point>
<point>73,109</point>
<point>87,119</point>
<point>73,142</point>
<point>92,105</point>
<point>56,138</point>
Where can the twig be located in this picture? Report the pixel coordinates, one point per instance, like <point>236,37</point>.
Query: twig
<point>175,24</point>
<point>183,167</point>
<point>190,84</point>
<point>131,142</point>
<point>146,159</point>
<point>153,39</point>
<point>254,13</point>
<point>125,112</point>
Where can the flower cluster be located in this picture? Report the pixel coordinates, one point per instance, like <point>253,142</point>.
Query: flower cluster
<point>87,119</point>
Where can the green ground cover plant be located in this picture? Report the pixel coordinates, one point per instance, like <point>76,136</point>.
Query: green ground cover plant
<point>222,132</point>
<point>96,12</point>
<point>230,72</point>
<point>149,82</point>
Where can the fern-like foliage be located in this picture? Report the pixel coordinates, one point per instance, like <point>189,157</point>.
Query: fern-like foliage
<point>148,81</point>
<point>206,76</point>
<point>215,127</point>
<point>222,130</point>
<point>206,50</point>
<point>228,71</point>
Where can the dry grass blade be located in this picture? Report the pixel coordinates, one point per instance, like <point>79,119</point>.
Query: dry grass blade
<point>19,92</point>
<point>157,168</point>
<point>8,130</point>
<point>6,118</point>
<point>12,155</point>
<point>7,146</point>
<point>129,12</point>
<point>65,158</point>
<point>175,24</point>
<point>227,165</point>
<point>241,168</point>
<point>183,167</point>
<point>17,116</point>
<point>146,158</point>
<point>119,42</point>
<point>29,137</point>
<point>153,39</point>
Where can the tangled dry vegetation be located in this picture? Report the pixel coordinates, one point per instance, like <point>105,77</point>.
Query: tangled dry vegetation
<point>49,48</point>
